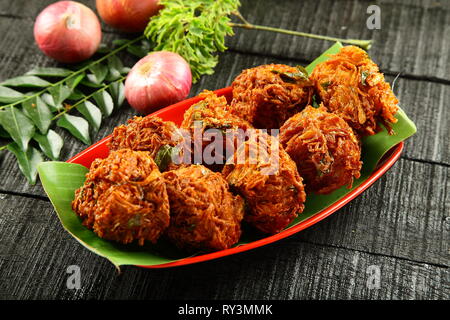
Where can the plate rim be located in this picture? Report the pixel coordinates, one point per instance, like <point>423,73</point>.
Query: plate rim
<point>389,162</point>
<point>394,155</point>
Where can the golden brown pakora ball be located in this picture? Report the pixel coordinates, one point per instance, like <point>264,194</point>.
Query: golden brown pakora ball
<point>267,95</point>
<point>205,215</point>
<point>267,178</point>
<point>150,134</point>
<point>210,122</point>
<point>124,198</point>
<point>324,147</point>
<point>350,85</point>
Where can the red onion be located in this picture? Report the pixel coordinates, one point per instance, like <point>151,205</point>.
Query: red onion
<point>160,79</point>
<point>127,15</point>
<point>68,31</point>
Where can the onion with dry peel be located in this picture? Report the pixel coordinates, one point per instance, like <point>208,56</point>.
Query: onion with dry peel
<point>160,79</point>
<point>68,31</point>
<point>127,15</point>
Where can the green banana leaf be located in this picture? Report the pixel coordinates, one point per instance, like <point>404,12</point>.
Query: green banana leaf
<point>61,179</point>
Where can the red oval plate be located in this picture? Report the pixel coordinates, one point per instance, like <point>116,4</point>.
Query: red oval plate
<point>175,113</point>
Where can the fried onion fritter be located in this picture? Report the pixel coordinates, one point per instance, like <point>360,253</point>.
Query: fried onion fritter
<point>210,123</point>
<point>124,198</point>
<point>267,178</point>
<point>267,95</point>
<point>205,215</point>
<point>324,147</point>
<point>350,85</point>
<point>150,134</point>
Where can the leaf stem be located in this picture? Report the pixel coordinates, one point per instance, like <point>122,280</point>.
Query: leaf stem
<point>241,17</point>
<point>365,44</point>
<point>105,86</point>
<point>3,147</point>
<point>75,73</point>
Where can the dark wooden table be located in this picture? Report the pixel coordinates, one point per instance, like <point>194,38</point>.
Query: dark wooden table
<point>400,225</point>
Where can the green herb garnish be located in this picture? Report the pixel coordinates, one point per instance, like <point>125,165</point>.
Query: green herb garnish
<point>315,103</point>
<point>293,77</point>
<point>195,29</point>
<point>364,75</point>
<point>46,100</point>
<point>134,221</point>
<point>165,156</point>
<point>325,85</point>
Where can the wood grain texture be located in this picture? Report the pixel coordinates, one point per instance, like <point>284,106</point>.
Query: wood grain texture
<point>36,252</point>
<point>401,224</point>
<point>412,39</point>
<point>424,102</point>
<point>406,214</point>
<point>23,9</point>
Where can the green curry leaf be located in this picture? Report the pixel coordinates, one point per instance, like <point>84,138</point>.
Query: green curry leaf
<point>50,143</point>
<point>27,160</point>
<point>164,156</point>
<point>60,180</point>
<point>198,36</point>
<point>18,125</point>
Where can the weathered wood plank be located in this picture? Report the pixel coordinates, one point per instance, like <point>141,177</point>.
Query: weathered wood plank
<point>424,102</point>
<point>35,253</point>
<point>398,216</point>
<point>290,271</point>
<point>401,224</point>
<point>17,56</point>
<point>19,53</point>
<point>24,9</point>
<point>412,39</point>
<point>405,214</point>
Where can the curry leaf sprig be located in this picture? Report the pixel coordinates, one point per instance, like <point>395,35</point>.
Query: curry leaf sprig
<point>365,44</point>
<point>33,105</point>
<point>196,30</point>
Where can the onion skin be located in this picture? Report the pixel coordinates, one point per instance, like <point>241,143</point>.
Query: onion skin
<point>68,31</point>
<point>158,80</point>
<point>127,15</point>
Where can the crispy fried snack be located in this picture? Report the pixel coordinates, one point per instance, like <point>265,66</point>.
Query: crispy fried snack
<point>124,198</point>
<point>350,85</point>
<point>209,122</point>
<point>264,174</point>
<point>267,95</point>
<point>205,215</point>
<point>324,147</point>
<point>150,134</point>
